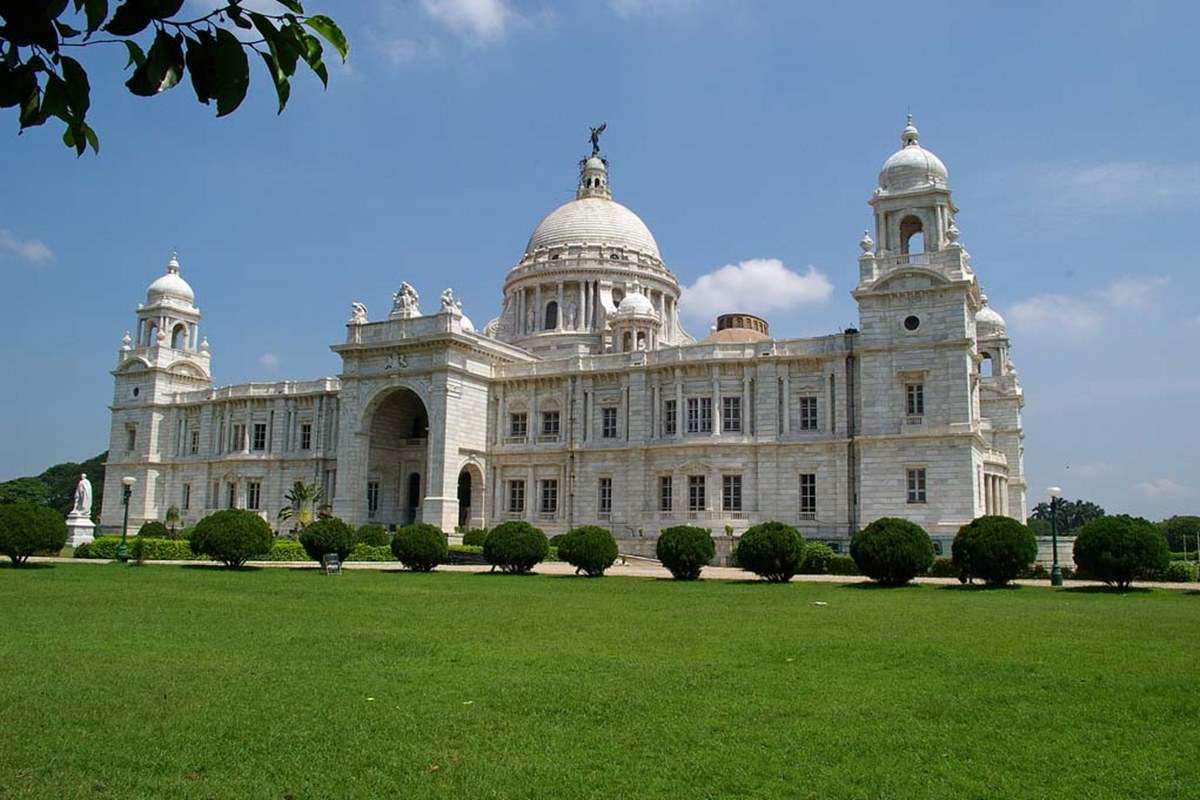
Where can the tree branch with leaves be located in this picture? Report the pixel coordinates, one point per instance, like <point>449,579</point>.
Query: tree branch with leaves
<point>42,82</point>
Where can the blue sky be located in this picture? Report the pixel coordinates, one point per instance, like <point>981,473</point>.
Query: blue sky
<point>737,130</point>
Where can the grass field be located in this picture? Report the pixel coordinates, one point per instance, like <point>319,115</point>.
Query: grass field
<point>197,682</point>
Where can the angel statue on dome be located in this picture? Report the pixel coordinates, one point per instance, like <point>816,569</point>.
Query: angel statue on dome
<point>596,137</point>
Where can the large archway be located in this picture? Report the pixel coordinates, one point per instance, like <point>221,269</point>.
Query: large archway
<point>397,460</point>
<point>470,497</point>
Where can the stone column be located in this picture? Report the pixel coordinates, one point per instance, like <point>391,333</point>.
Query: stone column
<point>787,396</point>
<point>680,416</point>
<point>559,323</point>
<point>745,403</point>
<point>499,436</point>
<point>716,400</point>
<point>579,312</point>
<point>538,322</point>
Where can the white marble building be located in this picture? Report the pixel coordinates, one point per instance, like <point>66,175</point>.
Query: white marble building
<point>586,402</point>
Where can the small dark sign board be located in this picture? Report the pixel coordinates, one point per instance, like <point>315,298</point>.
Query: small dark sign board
<point>332,564</point>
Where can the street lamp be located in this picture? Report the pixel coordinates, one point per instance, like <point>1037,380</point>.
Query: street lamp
<point>1055,493</point>
<point>122,550</point>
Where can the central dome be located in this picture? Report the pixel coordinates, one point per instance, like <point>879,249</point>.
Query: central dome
<point>593,220</point>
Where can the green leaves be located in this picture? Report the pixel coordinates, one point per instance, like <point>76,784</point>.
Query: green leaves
<point>162,68</point>
<point>233,72</point>
<point>330,32</point>
<point>41,82</point>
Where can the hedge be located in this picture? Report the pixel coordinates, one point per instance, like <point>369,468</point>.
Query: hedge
<point>515,546</point>
<point>843,565</point>
<point>28,528</point>
<point>420,546</point>
<point>145,548</point>
<point>474,537</point>
<point>892,551</point>
<point>1178,572</point>
<point>589,549</point>
<point>817,556</point>
<point>374,535</point>
<point>153,529</point>
<point>945,568</point>
<point>685,550</point>
<point>284,549</point>
<point>771,550</point>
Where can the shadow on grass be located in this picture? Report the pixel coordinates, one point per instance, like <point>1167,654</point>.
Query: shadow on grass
<point>6,564</point>
<point>979,587</point>
<point>222,567</point>
<point>873,586</point>
<point>1105,589</point>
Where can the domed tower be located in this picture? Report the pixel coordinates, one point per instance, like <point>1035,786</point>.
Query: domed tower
<point>583,259</point>
<point>913,210</point>
<point>166,359</point>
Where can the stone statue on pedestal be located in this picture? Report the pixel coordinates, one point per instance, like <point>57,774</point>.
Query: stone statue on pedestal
<point>79,521</point>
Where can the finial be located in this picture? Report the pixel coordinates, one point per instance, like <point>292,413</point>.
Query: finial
<point>910,134</point>
<point>204,345</point>
<point>173,262</point>
<point>866,243</point>
<point>126,342</point>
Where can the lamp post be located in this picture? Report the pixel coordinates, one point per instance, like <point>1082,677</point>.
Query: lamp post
<point>1056,578</point>
<point>122,550</point>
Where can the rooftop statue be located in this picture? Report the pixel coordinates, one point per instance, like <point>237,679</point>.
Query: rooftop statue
<point>596,137</point>
<point>405,302</point>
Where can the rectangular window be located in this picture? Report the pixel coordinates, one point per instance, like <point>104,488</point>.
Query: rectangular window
<point>253,495</point>
<point>808,413</point>
<point>516,497</point>
<point>195,448</point>
<point>186,500</point>
<point>604,496</point>
<point>130,437</point>
<point>214,494</point>
<point>518,425</point>
<point>608,422</point>
<point>695,492</point>
<point>231,495</point>
<point>731,414</point>
<point>665,491</point>
<point>239,437</point>
<point>306,436</point>
<point>731,492</point>
<point>914,394</point>
<point>669,418</point>
<point>808,495</point>
<point>916,485</point>
<point>550,423</point>
<point>372,497</point>
<point>260,436</point>
<point>699,415</point>
<point>549,504</point>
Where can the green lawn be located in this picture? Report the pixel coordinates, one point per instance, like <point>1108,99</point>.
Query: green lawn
<point>160,682</point>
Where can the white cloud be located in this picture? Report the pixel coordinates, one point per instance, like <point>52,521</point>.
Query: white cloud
<point>34,251</point>
<point>399,50</point>
<point>481,20</point>
<point>269,362</point>
<point>756,285</point>
<point>1084,316</point>
<point>1121,186</point>
<point>1164,487</point>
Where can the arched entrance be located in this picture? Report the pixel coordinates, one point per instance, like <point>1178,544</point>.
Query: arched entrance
<point>470,497</point>
<point>397,460</point>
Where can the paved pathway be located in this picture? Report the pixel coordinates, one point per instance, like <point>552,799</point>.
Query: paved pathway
<point>633,568</point>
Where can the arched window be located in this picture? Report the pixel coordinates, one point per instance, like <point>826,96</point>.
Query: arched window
<point>551,318</point>
<point>985,366</point>
<point>179,337</point>
<point>626,342</point>
<point>152,335</point>
<point>912,235</point>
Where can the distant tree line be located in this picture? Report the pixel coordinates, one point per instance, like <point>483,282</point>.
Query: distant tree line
<point>56,486</point>
<point>1182,532</point>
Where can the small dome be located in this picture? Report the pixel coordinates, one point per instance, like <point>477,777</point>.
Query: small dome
<point>635,303</point>
<point>593,220</point>
<point>989,324</point>
<point>170,286</point>
<point>467,325</point>
<point>912,166</point>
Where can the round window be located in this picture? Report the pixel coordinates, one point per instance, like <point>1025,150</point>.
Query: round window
<point>136,391</point>
<point>912,322</point>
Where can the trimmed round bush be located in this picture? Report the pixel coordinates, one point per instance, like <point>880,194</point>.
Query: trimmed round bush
<point>1119,549</point>
<point>474,537</point>
<point>589,549</point>
<point>515,546</point>
<point>233,537</point>
<point>685,550</point>
<point>996,549</point>
<point>326,536</point>
<point>285,549</point>
<point>892,551</point>
<point>843,565</point>
<point>817,556</point>
<point>771,550</point>
<point>373,535</point>
<point>153,529</point>
<point>420,546</point>
<point>27,529</point>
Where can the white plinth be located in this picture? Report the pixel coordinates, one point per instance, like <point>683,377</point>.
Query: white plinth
<point>79,530</point>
